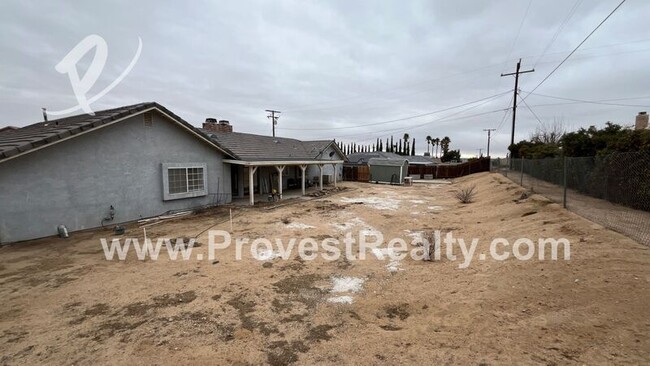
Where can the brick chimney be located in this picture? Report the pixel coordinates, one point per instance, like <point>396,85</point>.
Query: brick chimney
<point>641,121</point>
<point>212,125</point>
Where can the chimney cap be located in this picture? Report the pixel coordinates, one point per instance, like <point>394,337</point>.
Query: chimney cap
<point>224,122</point>
<point>211,120</point>
<point>642,113</point>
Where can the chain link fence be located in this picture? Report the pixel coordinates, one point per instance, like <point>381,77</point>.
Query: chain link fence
<point>611,190</point>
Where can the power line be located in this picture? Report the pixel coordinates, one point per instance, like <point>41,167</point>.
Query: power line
<point>442,119</point>
<point>578,46</point>
<point>398,119</point>
<point>531,111</point>
<point>365,98</point>
<point>306,107</point>
<point>505,114</point>
<point>603,102</point>
<point>514,43</point>
<point>559,30</point>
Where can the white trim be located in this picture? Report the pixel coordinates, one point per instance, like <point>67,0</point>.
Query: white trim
<point>282,162</point>
<point>212,143</point>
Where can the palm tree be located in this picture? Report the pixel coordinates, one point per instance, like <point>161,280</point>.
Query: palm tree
<point>429,143</point>
<point>444,144</point>
<point>436,142</point>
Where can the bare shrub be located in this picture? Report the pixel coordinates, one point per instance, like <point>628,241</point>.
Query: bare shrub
<point>286,220</point>
<point>466,194</point>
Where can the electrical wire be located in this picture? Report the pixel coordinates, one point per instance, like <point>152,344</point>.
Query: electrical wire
<point>533,112</point>
<point>514,43</point>
<point>578,46</point>
<point>605,102</point>
<point>386,133</point>
<point>559,30</point>
<point>398,119</point>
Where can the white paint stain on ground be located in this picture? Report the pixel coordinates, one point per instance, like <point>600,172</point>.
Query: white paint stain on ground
<point>434,208</point>
<point>395,262</point>
<point>267,255</point>
<point>341,299</point>
<point>299,225</point>
<point>374,202</point>
<point>364,227</point>
<point>345,284</point>
<point>394,266</point>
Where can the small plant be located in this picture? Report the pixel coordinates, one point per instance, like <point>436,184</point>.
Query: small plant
<point>466,194</point>
<point>286,220</point>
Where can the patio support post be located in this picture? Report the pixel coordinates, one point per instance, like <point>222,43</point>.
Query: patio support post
<point>303,167</point>
<point>335,174</point>
<point>280,169</point>
<point>320,181</point>
<point>251,184</point>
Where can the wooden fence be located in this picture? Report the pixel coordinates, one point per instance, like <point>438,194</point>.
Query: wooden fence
<point>449,171</point>
<point>359,173</point>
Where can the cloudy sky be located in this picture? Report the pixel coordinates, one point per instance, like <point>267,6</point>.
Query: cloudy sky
<point>353,71</point>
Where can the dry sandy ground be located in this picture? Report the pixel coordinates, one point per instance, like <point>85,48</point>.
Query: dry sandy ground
<point>63,303</point>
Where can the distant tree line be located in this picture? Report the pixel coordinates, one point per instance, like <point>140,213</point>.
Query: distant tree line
<point>404,146</point>
<point>552,141</point>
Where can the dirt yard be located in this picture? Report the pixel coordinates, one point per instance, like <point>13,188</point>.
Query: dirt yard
<point>64,303</point>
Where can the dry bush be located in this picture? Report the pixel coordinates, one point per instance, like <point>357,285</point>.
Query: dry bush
<point>466,194</point>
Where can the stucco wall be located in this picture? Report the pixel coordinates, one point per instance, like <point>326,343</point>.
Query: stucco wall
<point>75,182</point>
<point>314,172</point>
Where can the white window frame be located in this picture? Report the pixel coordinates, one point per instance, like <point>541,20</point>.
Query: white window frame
<point>174,196</point>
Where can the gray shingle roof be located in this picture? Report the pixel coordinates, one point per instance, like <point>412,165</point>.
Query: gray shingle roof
<point>362,158</point>
<point>251,147</point>
<point>40,134</point>
<point>316,147</point>
<point>387,162</point>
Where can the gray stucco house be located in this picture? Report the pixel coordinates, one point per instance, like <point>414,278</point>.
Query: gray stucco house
<point>141,160</point>
<point>138,161</point>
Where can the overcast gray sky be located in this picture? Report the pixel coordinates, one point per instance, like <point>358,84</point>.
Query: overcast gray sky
<point>332,65</point>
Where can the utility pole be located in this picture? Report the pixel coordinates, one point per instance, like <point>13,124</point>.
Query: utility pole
<point>480,151</point>
<point>514,100</point>
<point>489,130</point>
<point>273,118</point>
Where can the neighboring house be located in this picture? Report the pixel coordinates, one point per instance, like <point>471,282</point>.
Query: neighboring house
<point>7,129</point>
<point>269,163</point>
<point>362,158</point>
<point>135,161</point>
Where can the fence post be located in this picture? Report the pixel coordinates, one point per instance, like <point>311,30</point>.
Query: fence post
<point>564,178</point>
<point>522,171</point>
